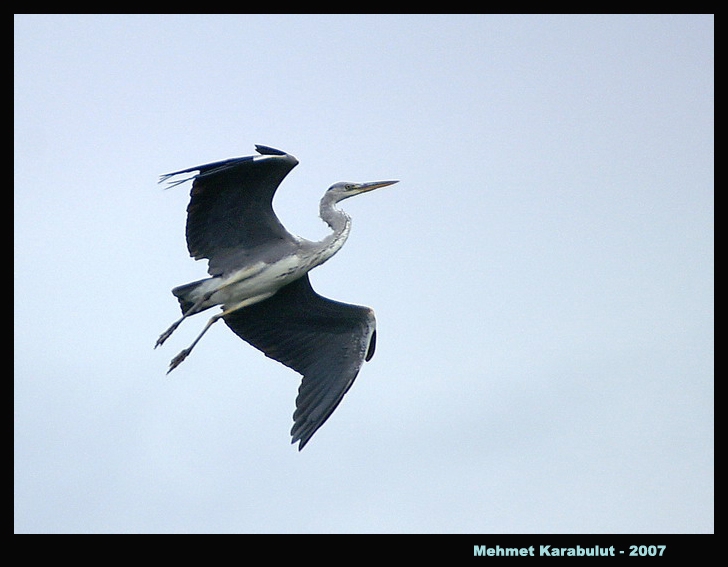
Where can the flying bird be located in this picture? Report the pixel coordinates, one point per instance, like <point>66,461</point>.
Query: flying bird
<point>259,278</point>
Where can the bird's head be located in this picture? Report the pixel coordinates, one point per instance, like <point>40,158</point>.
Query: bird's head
<point>345,189</point>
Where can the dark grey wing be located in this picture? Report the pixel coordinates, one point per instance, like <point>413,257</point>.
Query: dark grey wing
<point>326,341</point>
<point>231,207</point>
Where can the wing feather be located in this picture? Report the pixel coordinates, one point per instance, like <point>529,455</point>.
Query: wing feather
<point>231,207</point>
<point>324,340</point>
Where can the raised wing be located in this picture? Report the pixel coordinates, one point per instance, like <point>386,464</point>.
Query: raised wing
<point>326,341</point>
<point>231,207</point>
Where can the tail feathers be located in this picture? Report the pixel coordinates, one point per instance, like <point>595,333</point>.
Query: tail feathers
<point>187,296</point>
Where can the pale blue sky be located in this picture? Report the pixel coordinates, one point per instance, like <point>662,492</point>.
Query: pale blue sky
<point>542,274</point>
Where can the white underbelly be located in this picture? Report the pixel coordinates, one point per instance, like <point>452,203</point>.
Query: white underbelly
<point>257,282</point>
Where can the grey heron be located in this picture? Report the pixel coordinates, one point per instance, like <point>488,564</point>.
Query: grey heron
<point>259,277</point>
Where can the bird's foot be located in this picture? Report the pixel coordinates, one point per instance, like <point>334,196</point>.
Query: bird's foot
<point>177,360</point>
<point>164,336</point>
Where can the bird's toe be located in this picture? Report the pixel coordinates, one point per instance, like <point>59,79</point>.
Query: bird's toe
<point>177,360</point>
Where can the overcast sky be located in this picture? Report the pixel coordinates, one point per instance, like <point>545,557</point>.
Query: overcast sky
<point>542,274</point>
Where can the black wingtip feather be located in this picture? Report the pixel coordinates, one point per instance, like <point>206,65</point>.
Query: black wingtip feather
<point>268,151</point>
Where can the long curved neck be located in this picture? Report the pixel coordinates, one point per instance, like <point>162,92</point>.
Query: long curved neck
<point>339,222</point>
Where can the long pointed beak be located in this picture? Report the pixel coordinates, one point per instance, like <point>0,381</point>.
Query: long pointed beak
<point>364,187</point>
